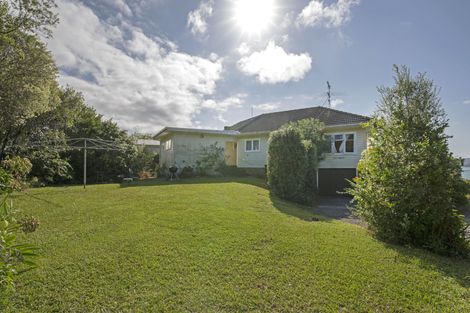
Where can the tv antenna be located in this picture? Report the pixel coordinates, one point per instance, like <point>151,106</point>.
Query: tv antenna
<point>328,93</point>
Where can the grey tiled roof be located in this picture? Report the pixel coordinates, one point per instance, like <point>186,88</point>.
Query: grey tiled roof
<point>273,121</point>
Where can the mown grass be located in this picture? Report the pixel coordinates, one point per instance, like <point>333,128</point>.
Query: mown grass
<point>218,246</point>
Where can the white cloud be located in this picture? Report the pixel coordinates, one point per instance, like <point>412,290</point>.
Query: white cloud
<point>143,83</point>
<point>220,107</point>
<point>274,65</point>
<point>244,49</point>
<point>286,20</point>
<point>268,106</point>
<point>336,102</point>
<point>120,5</point>
<point>316,13</point>
<point>197,18</point>
<point>466,101</point>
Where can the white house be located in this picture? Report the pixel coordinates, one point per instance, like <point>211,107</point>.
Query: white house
<point>246,143</point>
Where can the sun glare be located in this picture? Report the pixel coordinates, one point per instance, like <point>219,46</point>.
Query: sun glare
<point>254,16</point>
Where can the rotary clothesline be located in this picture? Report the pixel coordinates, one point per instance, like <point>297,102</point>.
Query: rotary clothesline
<point>77,144</point>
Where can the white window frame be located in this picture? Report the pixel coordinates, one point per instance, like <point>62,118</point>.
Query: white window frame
<point>344,134</point>
<point>252,140</point>
<point>168,144</point>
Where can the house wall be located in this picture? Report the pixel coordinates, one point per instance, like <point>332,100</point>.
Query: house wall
<point>187,147</point>
<point>346,160</point>
<point>253,159</point>
<point>167,157</point>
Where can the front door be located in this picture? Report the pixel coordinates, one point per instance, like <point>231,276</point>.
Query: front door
<point>231,153</point>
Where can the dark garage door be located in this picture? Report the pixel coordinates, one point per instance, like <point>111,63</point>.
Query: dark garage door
<point>332,180</point>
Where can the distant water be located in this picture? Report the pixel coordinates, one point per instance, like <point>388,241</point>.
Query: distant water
<point>466,172</point>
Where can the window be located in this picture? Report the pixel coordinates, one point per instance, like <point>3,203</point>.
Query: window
<point>349,143</point>
<point>252,145</point>
<point>168,144</point>
<point>338,144</point>
<point>341,143</point>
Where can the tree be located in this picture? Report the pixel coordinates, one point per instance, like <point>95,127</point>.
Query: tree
<point>28,85</point>
<point>50,165</point>
<point>102,165</point>
<point>312,134</point>
<point>409,184</point>
<point>293,157</point>
<point>287,164</point>
<point>26,16</point>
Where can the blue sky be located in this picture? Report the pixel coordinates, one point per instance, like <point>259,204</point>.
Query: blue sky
<point>154,63</point>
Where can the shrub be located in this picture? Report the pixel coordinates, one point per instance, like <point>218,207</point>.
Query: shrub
<point>293,157</point>
<point>312,134</point>
<point>187,172</point>
<point>409,184</point>
<point>17,168</point>
<point>29,224</point>
<point>287,164</point>
<point>211,161</point>
<point>15,258</point>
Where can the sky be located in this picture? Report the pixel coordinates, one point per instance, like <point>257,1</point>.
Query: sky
<point>206,64</point>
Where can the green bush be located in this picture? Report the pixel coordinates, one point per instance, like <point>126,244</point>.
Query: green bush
<point>15,257</point>
<point>287,164</point>
<point>211,161</point>
<point>409,184</point>
<point>187,172</point>
<point>293,157</point>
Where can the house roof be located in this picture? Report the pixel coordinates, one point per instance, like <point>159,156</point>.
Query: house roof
<point>167,130</point>
<point>272,121</point>
<point>147,142</point>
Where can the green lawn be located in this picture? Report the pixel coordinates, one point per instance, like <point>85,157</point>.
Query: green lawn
<point>218,246</point>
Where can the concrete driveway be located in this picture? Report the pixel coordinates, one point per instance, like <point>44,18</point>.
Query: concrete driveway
<point>337,208</point>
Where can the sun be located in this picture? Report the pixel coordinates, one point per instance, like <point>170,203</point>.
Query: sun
<point>254,16</point>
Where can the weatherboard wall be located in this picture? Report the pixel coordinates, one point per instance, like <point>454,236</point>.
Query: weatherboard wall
<point>346,160</point>
<point>252,159</point>
<point>187,147</point>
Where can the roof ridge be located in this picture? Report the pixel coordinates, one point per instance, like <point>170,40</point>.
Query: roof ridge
<point>340,111</point>
<point>244,123</point>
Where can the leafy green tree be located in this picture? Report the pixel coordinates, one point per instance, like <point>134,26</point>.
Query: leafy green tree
<point>102,165</point>
<point>28,84</point>
<point>287,164</point>
<point>41,133</point>
<point>409,184</point>
<point>312,134</point>
<point>28,16</point>
<point>293,158</point>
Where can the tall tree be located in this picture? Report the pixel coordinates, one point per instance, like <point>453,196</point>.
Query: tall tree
<point>409,184</point>
<point>28,85</point>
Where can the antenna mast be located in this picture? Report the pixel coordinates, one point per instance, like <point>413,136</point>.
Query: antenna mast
<point>328,93</point>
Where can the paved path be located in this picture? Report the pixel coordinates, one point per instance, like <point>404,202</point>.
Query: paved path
<point>337,208</point>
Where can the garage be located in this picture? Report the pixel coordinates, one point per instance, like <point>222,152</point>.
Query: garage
<point>333,180</point>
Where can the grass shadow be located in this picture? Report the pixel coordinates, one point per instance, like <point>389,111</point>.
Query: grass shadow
<point>258,182</point>
<point>303,212</point>
<point>456,268</point>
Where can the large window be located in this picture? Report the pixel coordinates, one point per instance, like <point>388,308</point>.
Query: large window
<point>341,143</point>
<point>252,145</point>
<point>168,144</point>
